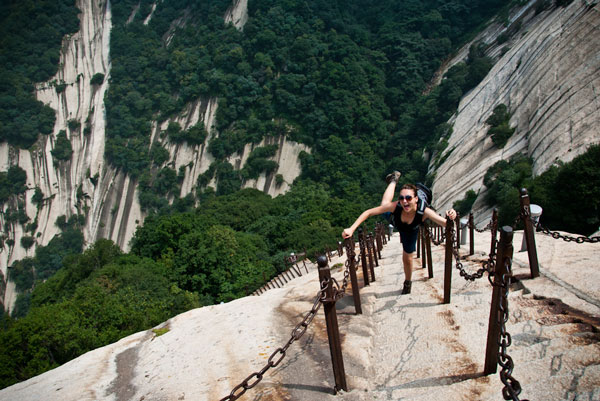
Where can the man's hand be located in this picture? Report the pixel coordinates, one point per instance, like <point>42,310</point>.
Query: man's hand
<point>347,233</point>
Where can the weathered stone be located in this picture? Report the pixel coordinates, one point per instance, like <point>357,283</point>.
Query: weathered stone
<point>548,80</point>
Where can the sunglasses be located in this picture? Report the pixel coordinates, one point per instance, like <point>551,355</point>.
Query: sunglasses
<point>407,197</point>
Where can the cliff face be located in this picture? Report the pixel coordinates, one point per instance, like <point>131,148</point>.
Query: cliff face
<point>107,197</point>
<point>549,81</point>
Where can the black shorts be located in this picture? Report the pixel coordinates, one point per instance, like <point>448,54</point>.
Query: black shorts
<point>409,240</point>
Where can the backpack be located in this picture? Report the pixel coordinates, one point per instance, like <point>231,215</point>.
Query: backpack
<point>425,197</point>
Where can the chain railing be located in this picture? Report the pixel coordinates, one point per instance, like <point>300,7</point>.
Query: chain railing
<point>370,248</point>
<point>567,238</point>
<point>499,339</point>
<point>512,387</point>
<point>459,266</point>
<point>330,292</point>
<point>298,331</point>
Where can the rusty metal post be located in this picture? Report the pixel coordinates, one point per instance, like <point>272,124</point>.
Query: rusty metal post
<point>383,230</point>
<point>494,229</point>
<point>457,228</point>
<point>505,253</point>
<point>350,264</point>
<point>340,249</point>
<point>428,248</point>
<point>370,256</point>
<point>448,261</point>
<point>363,256</point>
<point>304,260</point>
<point>529,234</point>
<point>423,246</point>
<point>419,243</point>
<point>378,242</point>
<point>373,245</point>
<point>471,235</point>
<point>380,232</point>
<point>333,333</point>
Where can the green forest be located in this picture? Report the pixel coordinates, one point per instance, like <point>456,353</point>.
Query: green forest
<point>348,78</point>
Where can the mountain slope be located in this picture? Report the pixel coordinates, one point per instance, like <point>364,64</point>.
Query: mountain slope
<point>548,80</point>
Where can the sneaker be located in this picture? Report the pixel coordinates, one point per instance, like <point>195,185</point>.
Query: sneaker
<point>407,285</point>
<point>395,176</point>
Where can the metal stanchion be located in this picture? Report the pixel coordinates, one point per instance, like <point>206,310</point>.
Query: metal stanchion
<point>333,333</point>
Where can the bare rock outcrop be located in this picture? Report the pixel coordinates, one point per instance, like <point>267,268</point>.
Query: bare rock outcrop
<point>549,81</point>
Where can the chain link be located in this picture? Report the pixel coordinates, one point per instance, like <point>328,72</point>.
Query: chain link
<point>489,226</point>
<point>512,387</point>
<point>432,236</point>
<point>556,235</point>
<point>279,353</point>
<point>463,273</point>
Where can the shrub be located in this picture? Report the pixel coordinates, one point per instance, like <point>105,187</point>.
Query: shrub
<point>279,179</point>
<point>60,88</point>
<point>62,147</point>
<point>500,131</point>
<point>74,124</point>
<point>463,206</point>
<point>195,135</point>
<point>38,196</point>
<point>27,242</point>
<point>12,182</point>
<point>97,79</point>
<point>504,180</point>
<point>257,162</point>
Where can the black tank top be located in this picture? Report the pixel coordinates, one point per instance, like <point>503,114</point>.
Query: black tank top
<point>400,225</point>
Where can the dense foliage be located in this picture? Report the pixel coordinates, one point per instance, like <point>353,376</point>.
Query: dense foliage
<point>97,298</point>
<point>463,206</point>
<point>31,32</point>
<point>48,259</point>
<point>62,147</point>
<point>344,77</point>
<point>12,182</point>
<point>500,130</point>
<point>219,252</point>
<point>568,192</point>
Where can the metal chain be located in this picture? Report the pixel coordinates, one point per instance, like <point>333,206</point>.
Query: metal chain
<point>463,273</point>
<point>556,235</point>
<point>512,387</point>
<point>279,353</point>
<point>487,227</point>
<point>432,236</point>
